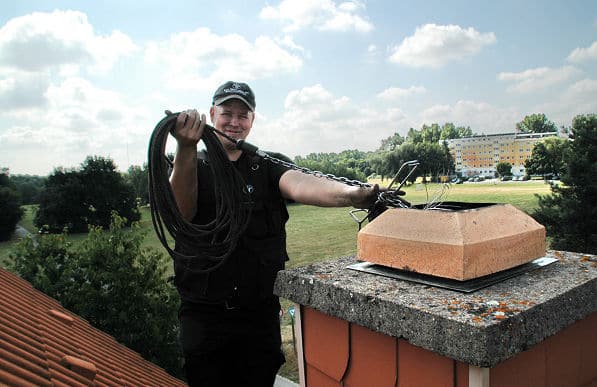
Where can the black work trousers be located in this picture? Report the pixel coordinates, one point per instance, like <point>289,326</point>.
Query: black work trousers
<point>231,347</point>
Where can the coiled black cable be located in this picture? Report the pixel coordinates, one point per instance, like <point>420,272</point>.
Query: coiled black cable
<point>200,247</point>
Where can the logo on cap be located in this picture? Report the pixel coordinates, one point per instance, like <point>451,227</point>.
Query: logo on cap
<point>236,90</point>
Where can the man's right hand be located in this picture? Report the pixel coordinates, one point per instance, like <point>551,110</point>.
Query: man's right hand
<point>189,128</point>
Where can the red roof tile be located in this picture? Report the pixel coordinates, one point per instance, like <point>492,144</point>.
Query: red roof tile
<point>43,344</point>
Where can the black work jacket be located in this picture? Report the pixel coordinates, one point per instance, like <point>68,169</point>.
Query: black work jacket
<point>247,278</point>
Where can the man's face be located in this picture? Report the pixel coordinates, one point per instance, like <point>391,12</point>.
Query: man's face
<point>234,118</point>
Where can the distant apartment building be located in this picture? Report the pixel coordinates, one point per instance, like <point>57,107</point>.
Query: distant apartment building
<point>479,155</point>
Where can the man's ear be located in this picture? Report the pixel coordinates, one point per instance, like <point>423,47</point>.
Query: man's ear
<point>212,112</point>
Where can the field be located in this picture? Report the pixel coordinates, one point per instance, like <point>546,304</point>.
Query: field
<point>316,234</point>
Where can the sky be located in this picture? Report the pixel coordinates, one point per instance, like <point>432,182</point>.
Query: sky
<point>85,78</point>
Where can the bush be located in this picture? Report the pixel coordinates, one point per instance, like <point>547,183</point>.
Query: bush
<point>112,282</point>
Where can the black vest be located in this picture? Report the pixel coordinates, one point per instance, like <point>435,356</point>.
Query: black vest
<point>248,275</point>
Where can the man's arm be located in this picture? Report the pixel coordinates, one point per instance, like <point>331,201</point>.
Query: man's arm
<point>319,191</point>
<point>183,180</point>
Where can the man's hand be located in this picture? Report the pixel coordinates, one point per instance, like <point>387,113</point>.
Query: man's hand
<point>189,128</point>
<point>364,197</point>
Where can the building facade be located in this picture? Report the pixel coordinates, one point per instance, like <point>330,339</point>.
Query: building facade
<point>479,155</point>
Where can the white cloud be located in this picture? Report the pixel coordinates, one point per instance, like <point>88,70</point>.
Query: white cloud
<point>41,41</point>
<point>480,116</point>
<point>583,54</point>
<point>393,93</point>
<point>315,120</point>
<point>537,79</point>
<point>287,41</point>
<point>435,45</point>
<point>48,111</point>
<point>22,90</point>
<point>204,60</point>
<point>79,120</point>
<point>579,98</point>
<point>322,15</point>
<point>586,87</point>
<point>372,54</point>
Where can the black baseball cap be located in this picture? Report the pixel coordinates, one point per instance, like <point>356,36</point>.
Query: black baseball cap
<point>237,90</point>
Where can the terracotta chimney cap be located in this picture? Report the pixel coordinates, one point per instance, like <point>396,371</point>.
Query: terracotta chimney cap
<point>478,240</point>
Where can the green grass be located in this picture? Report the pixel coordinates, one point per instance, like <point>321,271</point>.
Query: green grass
<point>519,194</point>
<point>27,221</point>
<point>317,234</point>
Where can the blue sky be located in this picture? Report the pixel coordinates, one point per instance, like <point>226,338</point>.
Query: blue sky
<point>82,78</point>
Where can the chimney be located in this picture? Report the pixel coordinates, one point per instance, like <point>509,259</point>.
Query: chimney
<point>462,295</point>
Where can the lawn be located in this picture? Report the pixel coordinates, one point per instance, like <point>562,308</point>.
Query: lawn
<point>520,194</point>
<point>316,234</point>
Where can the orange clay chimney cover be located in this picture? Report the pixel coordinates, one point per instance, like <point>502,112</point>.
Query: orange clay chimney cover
<point>456,244</point>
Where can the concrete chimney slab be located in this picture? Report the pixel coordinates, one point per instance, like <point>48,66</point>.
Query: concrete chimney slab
<point>483,328</point>
<point>460,244</point>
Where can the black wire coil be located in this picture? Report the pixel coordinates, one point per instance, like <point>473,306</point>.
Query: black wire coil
<point>201,247</point>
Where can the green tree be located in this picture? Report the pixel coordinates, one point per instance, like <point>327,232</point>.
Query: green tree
<point>431,134</point>
<point>352,164</point>
<point>434,133</point>
<point>29,187</point>
<point>393,160</point>
<point>464,132</point>
<point>10,206</point>
<point>107,191</point>
<point>137,177</point>
<point>434,160</point>
<point>88,195</point>
<point>536,123</point>
<point>61,203</point>
<point>113,282</point>
<point>414,136</point>
<point>391,143</point>
<point>378,163</point>
<point>503,168</point>
<point>569,213</point>
<point>548,157</point>
<point>449,131</point>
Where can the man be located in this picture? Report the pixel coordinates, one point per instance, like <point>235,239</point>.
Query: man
<point>229,317</point>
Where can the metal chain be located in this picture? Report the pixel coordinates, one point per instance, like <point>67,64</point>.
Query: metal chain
<point>307,171</point>
<point>389,198</point>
